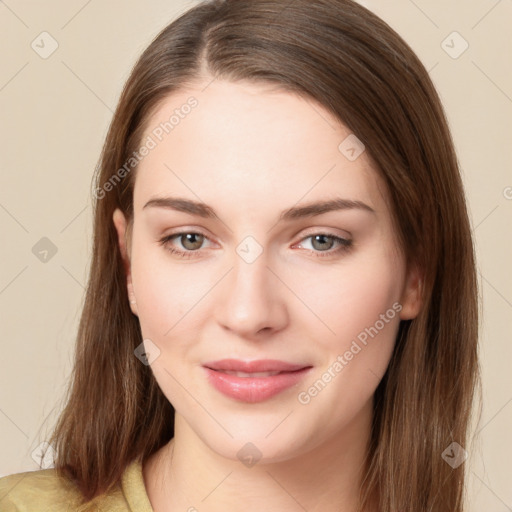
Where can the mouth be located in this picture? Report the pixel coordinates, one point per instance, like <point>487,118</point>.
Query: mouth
<point>245,374</point>
<point>253,381</point>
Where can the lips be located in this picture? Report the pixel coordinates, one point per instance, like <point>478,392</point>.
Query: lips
<point>253,381</point>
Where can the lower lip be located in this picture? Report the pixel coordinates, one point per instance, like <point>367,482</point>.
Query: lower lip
<point>254,389</point>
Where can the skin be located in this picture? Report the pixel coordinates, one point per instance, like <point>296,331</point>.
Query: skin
<point>251,152</point>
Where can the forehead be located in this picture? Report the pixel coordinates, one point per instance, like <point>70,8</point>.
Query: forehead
<point>250,145</point>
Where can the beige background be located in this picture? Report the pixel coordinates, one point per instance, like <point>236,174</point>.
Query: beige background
<point>55,113</point>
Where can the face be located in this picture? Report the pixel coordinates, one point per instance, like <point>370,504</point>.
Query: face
<point>274,320</point>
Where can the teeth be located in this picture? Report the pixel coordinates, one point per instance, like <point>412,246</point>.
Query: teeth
<point>255,374</point>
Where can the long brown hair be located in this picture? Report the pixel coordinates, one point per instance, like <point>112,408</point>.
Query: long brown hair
<point>350,61</point>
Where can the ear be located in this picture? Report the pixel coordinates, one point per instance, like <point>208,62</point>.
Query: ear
<point>411,300</point>
<point>120,225</point>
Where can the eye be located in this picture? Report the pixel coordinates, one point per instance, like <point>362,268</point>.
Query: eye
<point>323,242</point>
<point>191,241</point>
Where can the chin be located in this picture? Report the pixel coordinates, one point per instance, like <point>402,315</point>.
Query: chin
<point>255,450</point>
<point>258,439</point>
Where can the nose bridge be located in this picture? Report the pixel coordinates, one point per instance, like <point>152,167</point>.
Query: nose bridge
<point>251,297</point>
<point>250,267</point>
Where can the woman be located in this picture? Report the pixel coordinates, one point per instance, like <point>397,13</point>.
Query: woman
<point>282,306</point>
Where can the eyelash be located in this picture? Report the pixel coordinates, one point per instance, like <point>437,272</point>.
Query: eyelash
<point>345,245</point>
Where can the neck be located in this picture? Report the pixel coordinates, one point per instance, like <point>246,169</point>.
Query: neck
<point>187,475</point>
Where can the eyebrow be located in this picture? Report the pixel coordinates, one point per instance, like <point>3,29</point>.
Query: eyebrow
<point>295,212</point>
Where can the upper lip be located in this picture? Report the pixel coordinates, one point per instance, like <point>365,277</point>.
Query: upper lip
<point>262,365</point>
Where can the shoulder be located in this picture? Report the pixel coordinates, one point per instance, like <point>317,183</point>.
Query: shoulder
<point>46,491</point>
<point>36,490</point>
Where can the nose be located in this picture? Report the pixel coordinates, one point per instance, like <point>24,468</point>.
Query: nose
<point>252,298</point>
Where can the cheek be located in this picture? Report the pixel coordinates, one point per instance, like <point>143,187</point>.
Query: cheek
<point>168,303</point>
<point>174,302</point>
<point>166,291</point>
<point>352,296</point>
<point>361,307</point>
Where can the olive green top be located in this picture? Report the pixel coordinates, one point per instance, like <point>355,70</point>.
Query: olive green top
<point>45,491</point>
